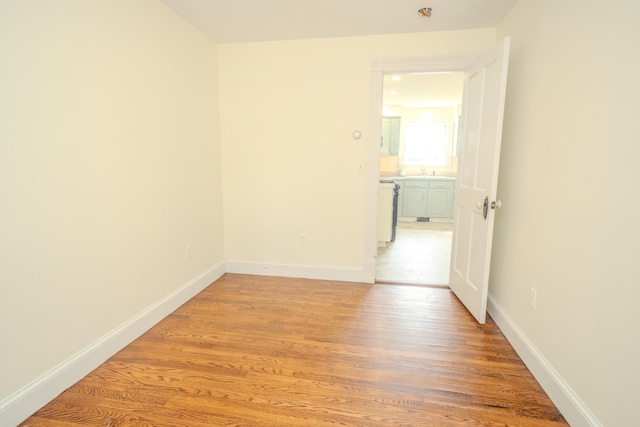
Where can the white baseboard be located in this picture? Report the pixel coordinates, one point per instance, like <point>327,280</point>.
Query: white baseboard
<point>301,271</point>
<point>572,408</point>
<point>20,405</point>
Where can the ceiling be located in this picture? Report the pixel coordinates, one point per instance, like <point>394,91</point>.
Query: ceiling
<point>421,90</point>
<point>232,21</point>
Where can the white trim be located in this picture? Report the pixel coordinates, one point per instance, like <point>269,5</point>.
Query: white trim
<point>300,271</point>
<point>562,395</point>
<point>23,403</point>
<point>373,168</point>
<point>370,271</point>
<point>430,64</point>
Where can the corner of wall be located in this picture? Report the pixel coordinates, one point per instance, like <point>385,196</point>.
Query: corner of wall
<point>24,402</point>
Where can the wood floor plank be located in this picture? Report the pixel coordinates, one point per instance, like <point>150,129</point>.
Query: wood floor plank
<point>268,351</point>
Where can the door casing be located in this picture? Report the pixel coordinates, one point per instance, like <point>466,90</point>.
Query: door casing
<point>379,68</point>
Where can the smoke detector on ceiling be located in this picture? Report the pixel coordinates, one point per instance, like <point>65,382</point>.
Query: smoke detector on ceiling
<point>425,12</point>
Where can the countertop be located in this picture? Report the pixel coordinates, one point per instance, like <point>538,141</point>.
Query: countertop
<point>427,177</point>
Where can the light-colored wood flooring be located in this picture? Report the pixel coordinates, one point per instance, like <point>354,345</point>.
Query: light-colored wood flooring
<point>264,351</point>
<point>420,254</point>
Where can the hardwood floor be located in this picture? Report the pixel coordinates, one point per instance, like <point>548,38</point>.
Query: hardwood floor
<point>264,351</point>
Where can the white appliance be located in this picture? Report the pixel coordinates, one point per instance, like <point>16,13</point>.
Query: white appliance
<point>387,211</point>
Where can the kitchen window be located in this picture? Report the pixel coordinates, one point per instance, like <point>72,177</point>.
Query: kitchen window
<point>427,144</point>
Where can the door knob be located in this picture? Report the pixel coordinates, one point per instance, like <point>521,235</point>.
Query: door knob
<point>497,204</point>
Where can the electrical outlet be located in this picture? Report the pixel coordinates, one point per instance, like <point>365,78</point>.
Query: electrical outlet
<point>533,295</point>
<point>187,252</point>
<point>303,239</point>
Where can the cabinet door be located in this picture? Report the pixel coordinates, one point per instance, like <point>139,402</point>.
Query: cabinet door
<point>385,134</point>
<point>394,135</point>
<point>414,199</point>
<point>440,200</point>
<point>439,203</point>
<point>390,133</point>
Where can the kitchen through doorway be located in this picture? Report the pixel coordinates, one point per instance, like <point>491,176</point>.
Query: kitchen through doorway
<point>420,118</point>
<point>420,254</point>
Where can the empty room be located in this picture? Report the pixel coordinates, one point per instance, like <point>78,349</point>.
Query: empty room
<point>190,197</point>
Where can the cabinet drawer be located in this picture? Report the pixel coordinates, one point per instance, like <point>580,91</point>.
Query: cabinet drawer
<point>416,184</point>
<point>442,185</point>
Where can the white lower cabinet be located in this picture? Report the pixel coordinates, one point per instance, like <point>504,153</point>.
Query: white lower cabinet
<point>385,212</point>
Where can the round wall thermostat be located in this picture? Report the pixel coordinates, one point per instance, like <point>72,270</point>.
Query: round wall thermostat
<point>357,134</point>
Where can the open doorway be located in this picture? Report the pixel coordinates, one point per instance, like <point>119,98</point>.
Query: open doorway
<point>419,124</point>
<point>485,84</point>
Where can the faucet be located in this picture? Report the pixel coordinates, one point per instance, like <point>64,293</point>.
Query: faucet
<point>424,171</point>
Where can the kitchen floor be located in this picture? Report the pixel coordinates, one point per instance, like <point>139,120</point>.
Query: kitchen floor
<point>420,254</point>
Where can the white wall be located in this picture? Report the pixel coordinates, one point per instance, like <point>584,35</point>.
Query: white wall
<point>288,111</point>
<point>568,182</point>
<point>109,166</point>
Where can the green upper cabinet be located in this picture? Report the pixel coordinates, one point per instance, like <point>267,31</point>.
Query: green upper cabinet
<point>390,144</point>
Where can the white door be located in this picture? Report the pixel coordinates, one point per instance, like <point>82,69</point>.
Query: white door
<point>479,145</point>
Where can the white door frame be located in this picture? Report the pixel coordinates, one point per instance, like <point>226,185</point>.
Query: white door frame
<point>379,68</point>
